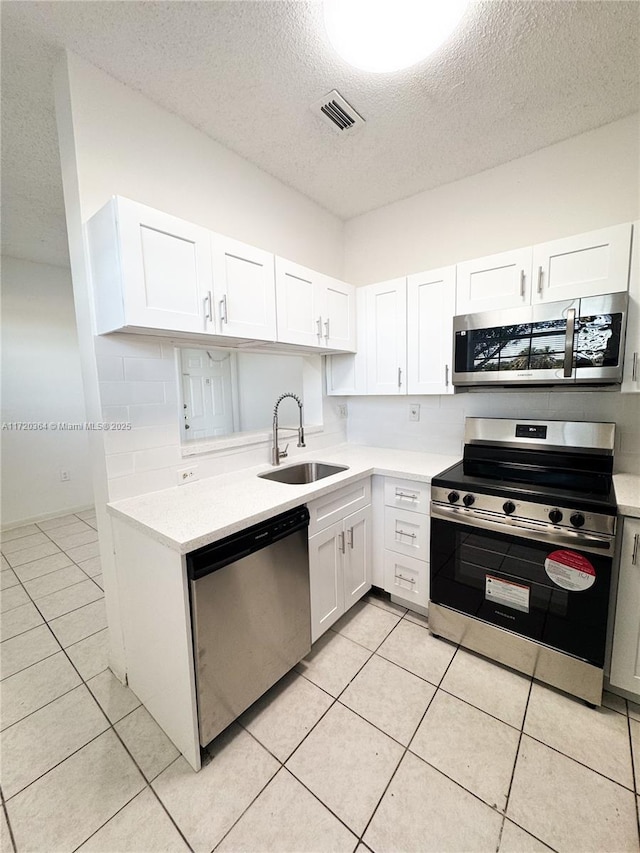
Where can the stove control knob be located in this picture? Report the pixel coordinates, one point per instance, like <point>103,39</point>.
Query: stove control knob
<point>555,516</point>
<point>453,497</point>
<point>509,507</point>
<point>468,500</point>
<point>577,519</point>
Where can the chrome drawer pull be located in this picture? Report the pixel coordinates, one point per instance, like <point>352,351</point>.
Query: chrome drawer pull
<point>404,533</point>
<point>350,538</point>
<point>326,328</point>
<point>412,497</point>
<point>341,545</point>
<point>407,580</point>
<point>634,371</point>
<point>223,309</point>
<point>634,558</point>
<point>539,280</point>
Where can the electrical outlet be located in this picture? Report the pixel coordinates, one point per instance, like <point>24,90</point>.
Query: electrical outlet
<point>414,411</point>
<point>65,476</point>
<point>187,475</point>
<point>342,410</point>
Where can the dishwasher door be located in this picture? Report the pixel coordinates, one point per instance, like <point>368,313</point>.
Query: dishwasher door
<point>251,625</point>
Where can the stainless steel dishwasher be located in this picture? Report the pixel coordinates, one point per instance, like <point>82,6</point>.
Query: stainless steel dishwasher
<point>251,615</point>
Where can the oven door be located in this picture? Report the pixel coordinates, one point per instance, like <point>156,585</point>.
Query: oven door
<point>551,593</point>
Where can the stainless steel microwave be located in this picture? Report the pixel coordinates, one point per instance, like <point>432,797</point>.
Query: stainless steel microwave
<point>574,342</point>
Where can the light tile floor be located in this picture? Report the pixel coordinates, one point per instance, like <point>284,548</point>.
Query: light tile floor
<point>383,739</point>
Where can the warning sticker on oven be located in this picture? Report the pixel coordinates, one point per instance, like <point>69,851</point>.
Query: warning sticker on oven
<point>570,570</point>
<point>511,594</point>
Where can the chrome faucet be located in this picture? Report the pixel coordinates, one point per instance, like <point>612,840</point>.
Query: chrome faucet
<point>276,453</point>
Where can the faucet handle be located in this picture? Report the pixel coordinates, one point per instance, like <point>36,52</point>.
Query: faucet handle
<point>283,453</point>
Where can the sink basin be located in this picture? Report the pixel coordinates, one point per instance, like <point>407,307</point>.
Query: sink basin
<point>303,472</point>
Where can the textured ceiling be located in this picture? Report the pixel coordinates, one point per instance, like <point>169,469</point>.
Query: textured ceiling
<point>517,76</point>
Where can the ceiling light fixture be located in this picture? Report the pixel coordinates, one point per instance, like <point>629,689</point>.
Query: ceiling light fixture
<point>388,35</point>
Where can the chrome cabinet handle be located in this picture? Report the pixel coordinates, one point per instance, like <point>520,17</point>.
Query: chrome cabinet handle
<point>350,537</point>
<point>522,283</point>
<point>634,558</point>
<point>634,369</point>
<point>399,377</point>
<point>404,533</point>
<point>446,375</point>
<point>326,329</point>
<point>411,497</point>
<point>408,580</point>
<point>568,343</point>
<point>341,545</point>
<point>539,279</point>
<point>319,326</point>
<point>223,309</point>
<point>208,307</point>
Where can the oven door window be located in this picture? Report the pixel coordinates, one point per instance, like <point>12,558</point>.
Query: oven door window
<point>501,579</point>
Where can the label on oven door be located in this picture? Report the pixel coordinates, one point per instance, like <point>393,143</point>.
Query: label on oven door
<point>511,594</point>
<point>570,570</point>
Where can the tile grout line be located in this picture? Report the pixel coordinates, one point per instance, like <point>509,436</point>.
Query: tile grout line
<point>633,772</point>
<point>6,817</point>
<point>110,727</point>
<point>406,748</point>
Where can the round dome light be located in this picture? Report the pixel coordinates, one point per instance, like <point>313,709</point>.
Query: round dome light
<point>388,35</point>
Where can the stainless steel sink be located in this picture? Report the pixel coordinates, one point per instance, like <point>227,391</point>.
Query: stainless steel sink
<point>303,472</point>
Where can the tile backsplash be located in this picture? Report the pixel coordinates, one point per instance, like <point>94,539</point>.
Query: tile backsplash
<point>385,420</point>
<point>138,381</point>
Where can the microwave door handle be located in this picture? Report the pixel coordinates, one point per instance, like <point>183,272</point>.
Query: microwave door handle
<point>569,343</point>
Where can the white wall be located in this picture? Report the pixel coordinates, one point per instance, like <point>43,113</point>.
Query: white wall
<point>41,383</point>
<point>586,182</point>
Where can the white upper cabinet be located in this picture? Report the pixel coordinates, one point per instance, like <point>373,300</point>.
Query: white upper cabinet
<point>149,269</point>
<point>588,264</point>
<point>347,372</point>
<point>339,314</point>
<point>299,304</point>
<point>430,308</point>
<point>494,282</point>
<point>631,375</point>
<point>386,351</point>
<point>585,265</point>
<point>243,290</point>
<point>314,310</point>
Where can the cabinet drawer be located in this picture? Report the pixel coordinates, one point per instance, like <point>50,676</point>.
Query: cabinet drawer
<point>406,578</point>
<point>336,505</point>
<point>406,532</point>
<point>407,494</point>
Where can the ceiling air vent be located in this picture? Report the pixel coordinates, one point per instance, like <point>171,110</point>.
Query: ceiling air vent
<point>334,110</point>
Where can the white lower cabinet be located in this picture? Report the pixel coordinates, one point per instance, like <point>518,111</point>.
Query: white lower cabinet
<point>625,658</point>
<point>339,563</point>
<point>406,542</point>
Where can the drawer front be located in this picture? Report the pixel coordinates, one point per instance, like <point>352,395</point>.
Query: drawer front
<point>406,578</point>
<point>407,494</point>
<point>406,532</point>
<point>337,505</point>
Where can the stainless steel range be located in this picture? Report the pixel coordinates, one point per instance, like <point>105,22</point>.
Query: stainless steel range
<point>522,546</point>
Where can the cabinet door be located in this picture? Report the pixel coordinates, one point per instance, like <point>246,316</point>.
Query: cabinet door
<point>347,373</point>
<point>497,281</point>
<point>431,300</point>
<point>625,659</point>
<point>386,352</point>
<point>244,290</point>
<point>165,269</point>
<point>326,578</point>
<point>299,294</point>
<point>357,556</point>
<point>339,314</point>
<point>631,376</point>
<point>585,265</point>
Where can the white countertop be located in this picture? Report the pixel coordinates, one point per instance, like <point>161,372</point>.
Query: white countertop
<point>627,487</point>
<point>190,516</point>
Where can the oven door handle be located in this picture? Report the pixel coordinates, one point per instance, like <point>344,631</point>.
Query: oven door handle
<point>582,541</point>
